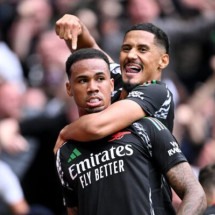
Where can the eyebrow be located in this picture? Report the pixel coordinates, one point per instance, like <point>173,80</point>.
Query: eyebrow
<point>140,44</point>
<point>96,74</point>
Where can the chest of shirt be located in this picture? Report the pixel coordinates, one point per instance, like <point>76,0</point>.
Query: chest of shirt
<point>86,164</point>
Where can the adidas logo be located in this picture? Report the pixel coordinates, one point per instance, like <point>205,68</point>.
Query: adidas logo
<point>75,153</point>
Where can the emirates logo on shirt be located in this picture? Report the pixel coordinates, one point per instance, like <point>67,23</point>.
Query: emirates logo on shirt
<point>119,135</point>
<point>100,165</point>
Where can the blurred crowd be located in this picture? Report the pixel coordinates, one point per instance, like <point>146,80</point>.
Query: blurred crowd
<point>33,101</point>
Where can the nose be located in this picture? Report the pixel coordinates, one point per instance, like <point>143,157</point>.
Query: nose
<point>92,86</point>
<point>132,54</point>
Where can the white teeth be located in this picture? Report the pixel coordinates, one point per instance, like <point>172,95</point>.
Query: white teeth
<point>133,67</point>
<point>94,100</point>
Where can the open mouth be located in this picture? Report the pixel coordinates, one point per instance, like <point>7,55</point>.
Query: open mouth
<point>94,102</point>
<point>133,68</point>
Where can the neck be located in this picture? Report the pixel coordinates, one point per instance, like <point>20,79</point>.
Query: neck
<point>123,94</point>
<point>211,203</point>
<point>210,200</point>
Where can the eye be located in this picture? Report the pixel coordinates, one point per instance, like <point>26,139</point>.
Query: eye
<point>125,48</point>
<point>100,78</point>
<point>82,80</point>
<point>143,49</point>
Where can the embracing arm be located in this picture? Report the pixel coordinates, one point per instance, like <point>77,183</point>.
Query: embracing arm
<point>98,125</point>
<point>187,187</point>
<point>75,33</point>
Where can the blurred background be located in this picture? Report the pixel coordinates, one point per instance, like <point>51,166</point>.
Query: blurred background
<point>33,100</point>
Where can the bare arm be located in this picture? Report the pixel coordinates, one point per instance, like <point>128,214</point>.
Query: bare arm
<point>75,33</point>
<point>187,187</point>
<point>72,211</point>
<point>98,125</point>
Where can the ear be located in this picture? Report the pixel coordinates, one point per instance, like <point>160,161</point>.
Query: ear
<point>68,89</point>
<point>164,61</point>
<point>112,84</point>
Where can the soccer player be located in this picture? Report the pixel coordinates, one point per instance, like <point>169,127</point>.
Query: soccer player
<point>122,173</point>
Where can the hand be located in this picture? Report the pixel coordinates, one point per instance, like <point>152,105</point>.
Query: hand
<point>69,27</point>
<point>60,141</point>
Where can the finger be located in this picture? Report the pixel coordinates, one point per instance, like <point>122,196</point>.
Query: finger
<point>74,42</point>
<point>57,28</point>
<point>75,33</point>
<point>68,29</point>
<point>56,146</point>
<point>55,150</point>
<point>60,30</point>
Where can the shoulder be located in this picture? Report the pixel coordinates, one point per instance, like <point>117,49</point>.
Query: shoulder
<point>154,91</point>
<point>151,123</point>
<point>156,131</point>
<point>65,150</point>
<point>153,86</point>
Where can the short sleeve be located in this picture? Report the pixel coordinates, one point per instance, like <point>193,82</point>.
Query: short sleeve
<point>165,150</point>
<point>151,98</point>
<point>156,100</point>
